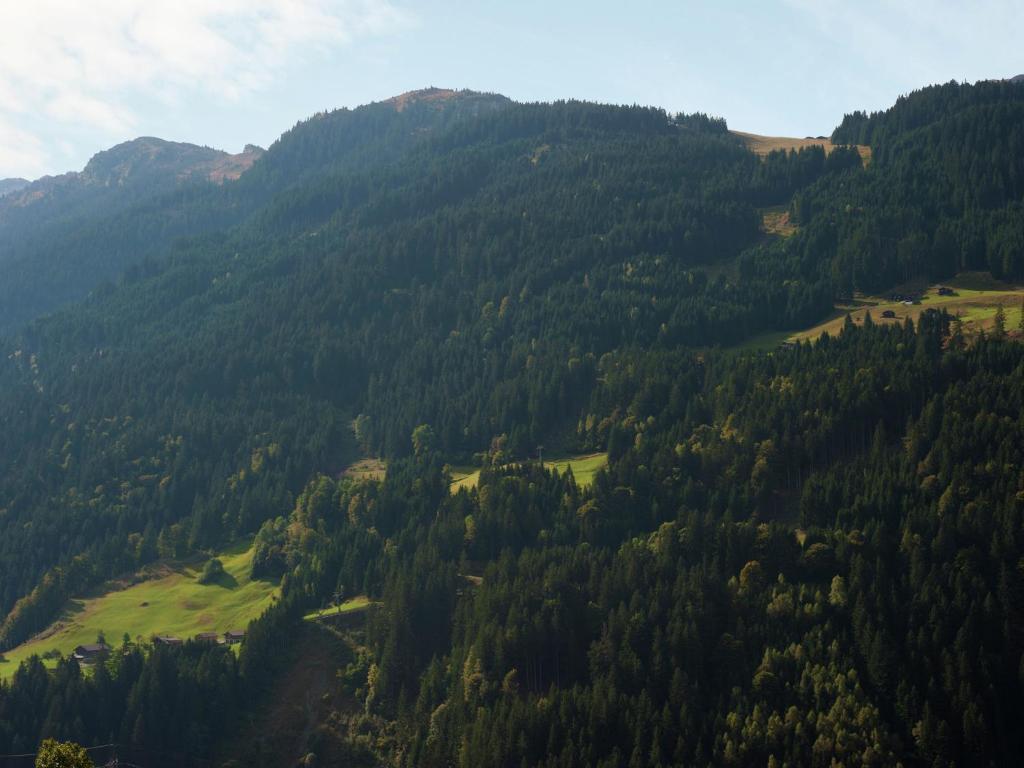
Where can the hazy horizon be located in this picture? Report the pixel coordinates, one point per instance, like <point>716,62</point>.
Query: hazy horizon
<point>225,73</point>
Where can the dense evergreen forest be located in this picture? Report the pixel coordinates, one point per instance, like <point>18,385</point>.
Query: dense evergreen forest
<point>63,237</point>
<point>182,409</point>
<point>801,557</point>
<point>945,193</point>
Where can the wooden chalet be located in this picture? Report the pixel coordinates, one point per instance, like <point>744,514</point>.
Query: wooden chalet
<point>167,640</point>
<point>91,652</point>
<point>211,638</point>
<point>234,636</point>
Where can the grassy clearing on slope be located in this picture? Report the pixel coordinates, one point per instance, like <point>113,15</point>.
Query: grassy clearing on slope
<point>977,295</point>
<point>584,469</point>
<point>776,221</point>
<point>366,469</point>
<point>172,604</point>
<point>977,308</point>
<point>763,342</point>
<point>464,476</point>
<point>353,605</point>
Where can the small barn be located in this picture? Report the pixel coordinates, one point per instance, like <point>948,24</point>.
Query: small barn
<point>210,638</point>
<point>234,636</point>
<point>167,640</point>
<point>91,652</point>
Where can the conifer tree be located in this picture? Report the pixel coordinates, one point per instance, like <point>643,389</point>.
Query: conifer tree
<point>999,327</point>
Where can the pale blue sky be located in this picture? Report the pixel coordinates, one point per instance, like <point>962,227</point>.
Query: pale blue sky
<point>79,77</point>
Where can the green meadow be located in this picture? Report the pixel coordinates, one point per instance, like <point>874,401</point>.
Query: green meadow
<point>353,605</point>
<point>975,299</point>
<point>173,603</point>
<point>584,469</point>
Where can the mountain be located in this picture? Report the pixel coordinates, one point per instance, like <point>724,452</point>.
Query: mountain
<point>467,104</point>
<point>7,186</point>
<point>1017,79</point>
<point>799,555</point>
<point>413,254</point>
<point>62,237</point>
<point>947,160</point>
<point>345,140</point>
<point>142,167</point>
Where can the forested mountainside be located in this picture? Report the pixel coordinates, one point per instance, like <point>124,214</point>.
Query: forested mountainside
<point>533,241</point>
<point>793,557</point>
<point>945,190</point>
<point>62,237</point>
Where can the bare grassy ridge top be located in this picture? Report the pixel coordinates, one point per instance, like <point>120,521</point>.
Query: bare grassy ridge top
<point>762,145</point>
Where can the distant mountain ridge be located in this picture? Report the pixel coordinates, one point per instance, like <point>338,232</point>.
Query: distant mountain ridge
<point>1017,79</point>
<point>62,236</point>
<point>146,156</point>
<point>9,186</point>
<point>343,139</point>
<point>145,162</point>
<point>473,102</point>
<point>151,164</point>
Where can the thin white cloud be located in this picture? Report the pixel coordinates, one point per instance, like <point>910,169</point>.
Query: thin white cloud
<point>81,64</point>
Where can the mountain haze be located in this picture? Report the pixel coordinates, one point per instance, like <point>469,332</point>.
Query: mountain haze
<point>140,167</point>
<point>7,186</point>
<point>64,236</point>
